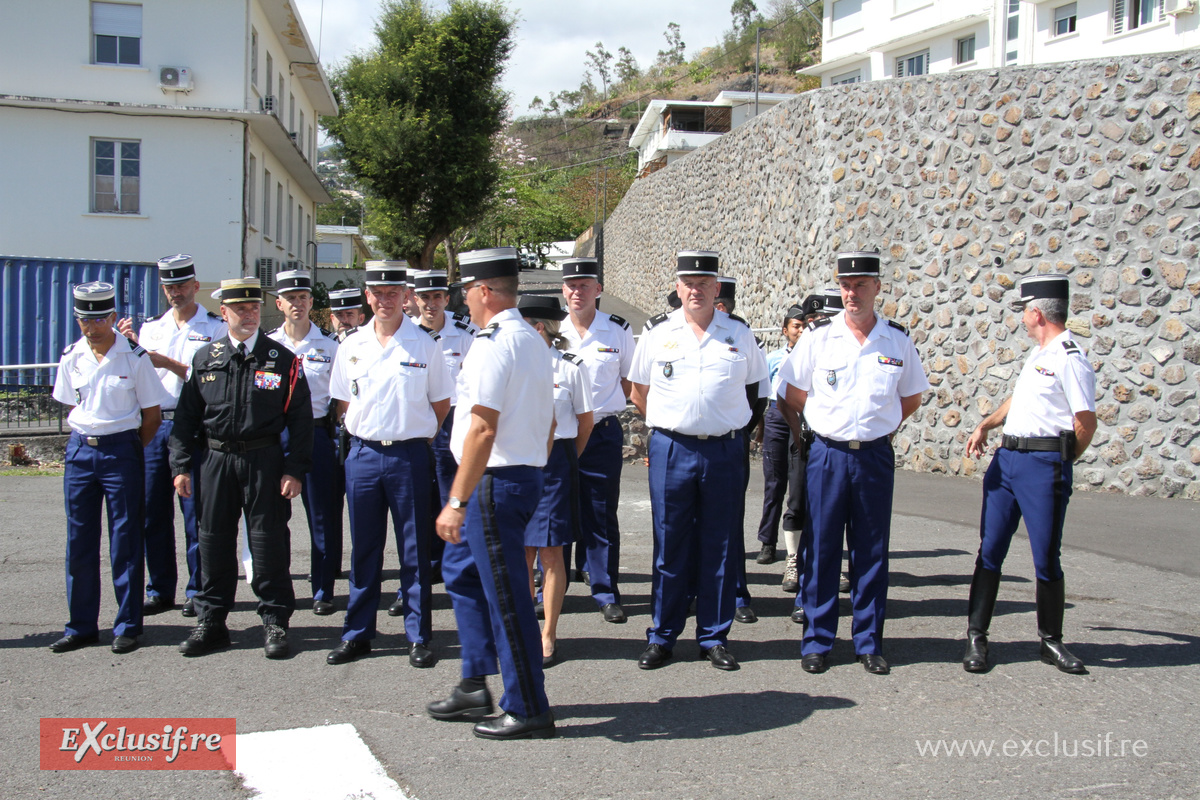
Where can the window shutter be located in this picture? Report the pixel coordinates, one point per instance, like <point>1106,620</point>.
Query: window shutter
<point>116,19</point>
<point>1118,16</point>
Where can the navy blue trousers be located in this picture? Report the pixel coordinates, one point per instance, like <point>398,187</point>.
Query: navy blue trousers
<point>321,492</point>
<point>776,460</point>
<point>1033,486</point>
<point>488,582</point>
<point>850,497</point>
<point>162,574</point>
<point>445,468</point>
<point>600,494</point>
<point>380,479</point>
<point>697,509</point>
<point>110,473</point>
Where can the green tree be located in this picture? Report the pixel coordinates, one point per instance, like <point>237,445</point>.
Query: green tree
<point>674,55</point>
<point>346,209</point>
<point>418,116</point>
<point>601,61</point>
<point>627,66</point>
<point>743,12</point>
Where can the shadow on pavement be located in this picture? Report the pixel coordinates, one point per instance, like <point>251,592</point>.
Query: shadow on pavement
<point>706,717</point>
<point>1181,650</point>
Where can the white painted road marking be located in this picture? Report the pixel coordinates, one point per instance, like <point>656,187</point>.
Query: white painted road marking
<point>330,762</point>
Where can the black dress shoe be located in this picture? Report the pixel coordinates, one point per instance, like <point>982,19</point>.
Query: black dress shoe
<point>420,656</point>
<point>874,664</point>
<point>719,657</point>
<point>156,604</point>
<point>205,638</point>
<point>745,614</point>
<point>613,612</point>
<point>275,641</point>
<point>798,615</point>
<point>189,608</point>
<point>462,705</point>
<point>124,644</point>
<point>766,555</point>
<point>537,579</point>
<point>814,663</point>
<point>347,651</point>
<point>508,726</point>
<point>396,608</point>
<point>539,609</point>
<point>654,657</point>
<point>322,608</point>
<point>74,641</point>
<point>550,660</point>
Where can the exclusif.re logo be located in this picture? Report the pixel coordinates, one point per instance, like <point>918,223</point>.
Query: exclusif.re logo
<point>138,743</point>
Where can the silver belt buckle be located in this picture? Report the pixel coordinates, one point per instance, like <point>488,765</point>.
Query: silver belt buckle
<point>702,436</point>
<point>855,444</point>
<point>386,442</point>
<point>92,440</point>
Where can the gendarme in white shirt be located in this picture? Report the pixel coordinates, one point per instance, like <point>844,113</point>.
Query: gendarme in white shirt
<point>179,343</point>
<point>1056,383</point>
<point>316,352</point>
<point>607,352</point>
<point>108,395</point>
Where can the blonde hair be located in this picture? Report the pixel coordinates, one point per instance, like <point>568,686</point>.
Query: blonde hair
<point>551,328</point>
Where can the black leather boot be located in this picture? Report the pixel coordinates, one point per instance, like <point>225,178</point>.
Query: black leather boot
<point>1051,602</point>
<point>985,585</point>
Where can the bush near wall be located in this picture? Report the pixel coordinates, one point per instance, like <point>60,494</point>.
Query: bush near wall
<point>966,183</point>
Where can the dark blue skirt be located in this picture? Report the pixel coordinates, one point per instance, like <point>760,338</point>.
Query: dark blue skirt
<point>556,519</point>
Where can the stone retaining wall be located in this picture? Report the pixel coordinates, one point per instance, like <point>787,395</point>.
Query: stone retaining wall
<point>966,183</point>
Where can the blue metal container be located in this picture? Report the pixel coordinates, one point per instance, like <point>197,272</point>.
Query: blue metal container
<point>36,318</point>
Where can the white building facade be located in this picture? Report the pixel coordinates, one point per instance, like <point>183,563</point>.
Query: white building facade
<point>866,40</point>
<point>138,130</point>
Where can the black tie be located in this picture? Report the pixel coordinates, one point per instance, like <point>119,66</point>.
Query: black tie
<point>241,350</point>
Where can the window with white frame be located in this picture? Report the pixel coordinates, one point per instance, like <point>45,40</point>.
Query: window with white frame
<point>1013,17</point>
<point>846,77</point>
<point>1064,19</point>
<point>1129,15</point>
<point>251,190</point>
<point>964,49</point>
<point>914,64</point>
<point>279,240</point>
<point>117,34</point>
<point>266,222</point>
<point>116,176</point>
<point>300,133</point>
<point>845,17</point>
<point>291,229</point>
<point>253,57</point>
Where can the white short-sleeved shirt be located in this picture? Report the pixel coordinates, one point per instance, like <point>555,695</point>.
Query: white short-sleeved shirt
<point>854,391</point>
<point>607,352</point>
<point>1056,383</point>
<point>455,339</point>
<point>572,393</point>
<point>508,369</point>
<point>179,342</point>
<point>390,387</point>
<point>698,387</point>
<point>316,352</point>
<point>108,395</point>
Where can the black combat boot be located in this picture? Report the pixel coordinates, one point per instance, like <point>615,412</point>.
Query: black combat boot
<point>985,585</point>
<point>1051,602</point>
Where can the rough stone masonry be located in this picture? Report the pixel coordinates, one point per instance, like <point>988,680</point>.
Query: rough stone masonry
<point>966,183</point>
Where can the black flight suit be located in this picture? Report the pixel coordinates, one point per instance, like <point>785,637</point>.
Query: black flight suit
<point>240,405</point>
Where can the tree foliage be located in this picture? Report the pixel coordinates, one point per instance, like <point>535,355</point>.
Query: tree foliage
<point>418,117</point>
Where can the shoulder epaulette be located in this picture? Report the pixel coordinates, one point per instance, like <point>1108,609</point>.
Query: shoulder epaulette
<point>214,316</point>
<point>1070,346</point>
<point>138,350</point>
<point>817,323</point>
<point>68,348</point>
<point>758,341</point>
<point>327,333</point>
<point>437,337</point>
<point>460,316</point>
<point>619,321</point>
<point>898,327</point>
<point>487,332</point>
<point>154,318</point>
<point>739,319</point>
<point>277,330</point>
<point>650,323</point>
<point>574,359</point>
<point>458,323</point>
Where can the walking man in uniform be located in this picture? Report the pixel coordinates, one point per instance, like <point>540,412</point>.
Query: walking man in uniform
<point>1049,421</point>
<point>605,343</point>
<point>115,399</point>
<point>244,391</point>
<point>855,378</point>
<point>172,339</point>
<point>502,437</point>
<point>695,376</point>
<point>393,388</point>
<point>322,487</point>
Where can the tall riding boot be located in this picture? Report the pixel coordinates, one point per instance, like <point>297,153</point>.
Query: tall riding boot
<point>985,585</point>
<point>1051,602</point>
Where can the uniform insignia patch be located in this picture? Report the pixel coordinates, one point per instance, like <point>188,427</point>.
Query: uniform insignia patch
<point>831,378</point>
<point>269,365</point>
<point>733,350</point>
<point>1070,346</point>
<point>668,370</point>
<point>817,323</point>
<point>197,337</point>
<point>487,332</point>
<point>217,348</point>
<point>671,345</point>
<point>413,364</point>
<point>321,357</point>
<point>891,362</point>
<point>267,380</point>
<point>655,320</point>
<point>618,320</point>
<point>739,319</point>
<point>354,388</point>
<point>208,377</point>
<point>898,327</point>
<point>1044,371</point>
<point>728,340</point>
<point>353,359</point>
<point>273,353</point>
<point>608,350</point>
<point>78,397</point>
<point>574,359</point>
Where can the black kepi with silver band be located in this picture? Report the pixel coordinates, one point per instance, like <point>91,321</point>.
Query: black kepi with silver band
<point>833,301</point>
<point>293,280</point>
<point>386,273</point>
<point>344,299</point>
<point>697,262</point>
<point>95,300</point>
<point>727,289</point>
<point>1042,287</point>
<point>176,269</point>
<point>856,263</point>
<point>495,262</point>
<point>430,280</point>
<point>580,268</point>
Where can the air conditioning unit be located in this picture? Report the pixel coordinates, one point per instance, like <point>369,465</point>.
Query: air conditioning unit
<point>175,79</point>
<point>264,268</point>
<point>293,264</point>
<point>267,104</point>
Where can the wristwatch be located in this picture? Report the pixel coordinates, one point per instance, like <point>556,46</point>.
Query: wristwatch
<point>455,503</point>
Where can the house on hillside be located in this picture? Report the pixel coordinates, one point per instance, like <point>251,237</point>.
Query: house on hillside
<point>140,129</point>
<point>670,129</point>
<point>341,247</point>
<point>866,40</point>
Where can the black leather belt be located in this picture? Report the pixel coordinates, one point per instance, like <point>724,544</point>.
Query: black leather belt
<point>702,437</point>
<point>96,441</point>
<point>1025,444</point>
<point>169,414</point>
<point>854,444</point>
<point>382,442</point>
<point>243,446</point>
